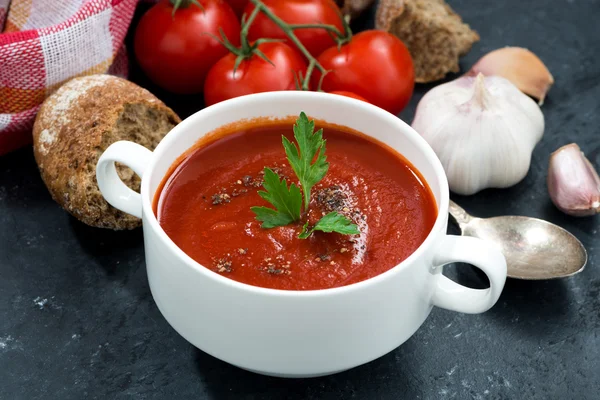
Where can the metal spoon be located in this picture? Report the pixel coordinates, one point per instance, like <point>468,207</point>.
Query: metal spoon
<point>534,249</point>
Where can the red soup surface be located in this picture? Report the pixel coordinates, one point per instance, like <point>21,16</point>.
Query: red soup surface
<point>204,207</point>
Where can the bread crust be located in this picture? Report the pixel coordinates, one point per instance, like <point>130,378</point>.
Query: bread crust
<point>434,34</point>
<point>73,128</point>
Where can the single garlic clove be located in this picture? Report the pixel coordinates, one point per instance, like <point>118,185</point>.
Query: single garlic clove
<point>573,183</point>
<point>520,66</point>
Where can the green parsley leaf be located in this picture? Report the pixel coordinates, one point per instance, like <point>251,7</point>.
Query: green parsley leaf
<point>332,222</point>
<point>310,144</point>
<point>287,202</point>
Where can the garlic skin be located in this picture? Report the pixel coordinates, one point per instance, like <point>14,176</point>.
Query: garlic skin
<point>573,183</point>
<point>520,66</point>
<point>483,129</point>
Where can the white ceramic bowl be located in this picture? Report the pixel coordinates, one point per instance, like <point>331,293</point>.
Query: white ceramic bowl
<point>299,333</point>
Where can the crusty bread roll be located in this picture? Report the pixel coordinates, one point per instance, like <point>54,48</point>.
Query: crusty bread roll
<point>433,33</point>
<point>73,128</point>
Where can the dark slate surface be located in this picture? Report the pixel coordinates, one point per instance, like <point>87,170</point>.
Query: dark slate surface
<point>77,319</point>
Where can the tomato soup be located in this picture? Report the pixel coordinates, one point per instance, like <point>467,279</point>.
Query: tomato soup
<point>204,206</point>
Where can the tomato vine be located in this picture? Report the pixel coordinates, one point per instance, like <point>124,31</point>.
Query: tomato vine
<point>247,50</point>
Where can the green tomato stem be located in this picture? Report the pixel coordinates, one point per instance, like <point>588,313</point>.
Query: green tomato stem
<point>347,36</point>
<point>177,4</point>
<point>246,28</point>
<point>289,32</point>
<point>329,28</point>
<point>311,66</point>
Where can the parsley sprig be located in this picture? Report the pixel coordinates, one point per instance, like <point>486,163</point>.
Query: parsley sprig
<point>332,222</point>
<point>309,163</point>
<point>287,202</point>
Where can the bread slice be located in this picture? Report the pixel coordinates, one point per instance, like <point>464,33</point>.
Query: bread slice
<point>73,128</point>
<point>434,34</point>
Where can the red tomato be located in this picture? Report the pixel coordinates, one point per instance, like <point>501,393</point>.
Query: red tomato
<point>176,51</point>
<point>254,75</point>
<point>375,65</point>
<point>238,6</point>
<point>348,94</point>
<point>298,12</point>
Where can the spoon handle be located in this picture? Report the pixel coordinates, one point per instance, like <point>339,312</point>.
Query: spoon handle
<point>459,214</point>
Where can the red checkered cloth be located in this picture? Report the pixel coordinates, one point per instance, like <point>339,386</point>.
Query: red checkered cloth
<point>47,42</point>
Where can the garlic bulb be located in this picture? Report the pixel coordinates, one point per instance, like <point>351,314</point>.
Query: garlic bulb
<point>573,183</point>
<point>483,129</point>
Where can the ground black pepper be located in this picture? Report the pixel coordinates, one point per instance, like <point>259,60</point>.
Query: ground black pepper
<point>331,198</point>
<point>220,198</point>
<point>236,192</point>
<point>223,265</point>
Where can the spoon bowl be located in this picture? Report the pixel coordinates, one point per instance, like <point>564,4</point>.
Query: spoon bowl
<point>534,249</point>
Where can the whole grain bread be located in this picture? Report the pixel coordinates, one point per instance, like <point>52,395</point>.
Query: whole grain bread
<point>434,34</point>
<point>73,128</point>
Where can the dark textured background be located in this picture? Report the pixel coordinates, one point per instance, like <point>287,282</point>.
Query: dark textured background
<point>77,319</point>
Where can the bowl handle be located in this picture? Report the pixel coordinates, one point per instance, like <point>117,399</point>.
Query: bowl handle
<point>112,187</point>
<point>483,255</point>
